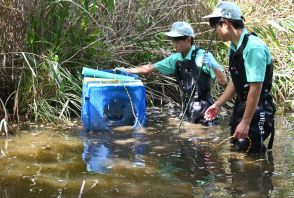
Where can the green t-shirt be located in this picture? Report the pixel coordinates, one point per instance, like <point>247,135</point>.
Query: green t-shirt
<point>168,65</point>
<point>256,57</point>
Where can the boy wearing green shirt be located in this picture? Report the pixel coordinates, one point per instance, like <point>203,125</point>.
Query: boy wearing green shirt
<point>251,69</point>
<point>187,64</point>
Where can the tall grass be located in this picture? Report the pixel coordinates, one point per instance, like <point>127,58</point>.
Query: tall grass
<point>273,21</point>
<point>57,38</point>
<point>47,91</point>
<point>71,34</point>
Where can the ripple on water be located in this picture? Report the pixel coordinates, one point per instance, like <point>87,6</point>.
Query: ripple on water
<point>160,161</point>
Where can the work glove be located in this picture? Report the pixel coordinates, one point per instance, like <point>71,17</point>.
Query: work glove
<point>119,70</point>
<point>209,60</point>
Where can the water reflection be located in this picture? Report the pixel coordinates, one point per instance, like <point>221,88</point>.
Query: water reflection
<point>161,162</point>
<point>139,148</point>
<point>182,161</point>
<point>97,154</point>
<point>252,177</point>
<point>204,164</point>
<point>103,150</point>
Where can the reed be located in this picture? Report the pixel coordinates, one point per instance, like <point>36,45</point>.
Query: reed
<point>273,21</point>
<point>45,44</point>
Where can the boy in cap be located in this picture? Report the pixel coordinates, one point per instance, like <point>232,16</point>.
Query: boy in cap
<point>186,64</point>
<point>251,69</point>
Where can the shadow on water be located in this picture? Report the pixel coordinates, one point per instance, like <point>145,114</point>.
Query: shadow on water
<point>252,176</point>
<point>105,149</point>
<point>158,161</point>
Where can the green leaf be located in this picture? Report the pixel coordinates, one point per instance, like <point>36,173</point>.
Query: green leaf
<point>86,5</point>
<point>109,4</point>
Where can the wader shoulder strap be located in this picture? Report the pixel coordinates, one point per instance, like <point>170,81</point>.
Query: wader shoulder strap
<point>194,53</point>
<point>271,140</point>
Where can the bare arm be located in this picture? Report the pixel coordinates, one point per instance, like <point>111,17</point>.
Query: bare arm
<point>144,69</point>
<point>251,104</point>
<point>213,110</point>
<point>252,101</point>
<point>220,76</point>
<point>227,95</point>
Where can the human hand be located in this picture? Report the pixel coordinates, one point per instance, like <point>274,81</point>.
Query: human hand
<point>242,130</point>
<point>209,60</point>
<point>212,112</point>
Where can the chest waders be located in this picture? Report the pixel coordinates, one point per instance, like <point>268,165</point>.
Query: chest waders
<point>262,123</point>
<point>186,74</point>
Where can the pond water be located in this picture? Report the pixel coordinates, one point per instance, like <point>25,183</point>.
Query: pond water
<point>159,161</point>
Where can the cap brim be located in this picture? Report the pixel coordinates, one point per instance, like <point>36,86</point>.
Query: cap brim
<point>173,34</point>
<point>213,15</point>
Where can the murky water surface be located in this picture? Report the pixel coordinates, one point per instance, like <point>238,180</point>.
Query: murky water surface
<point>159,161</point>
